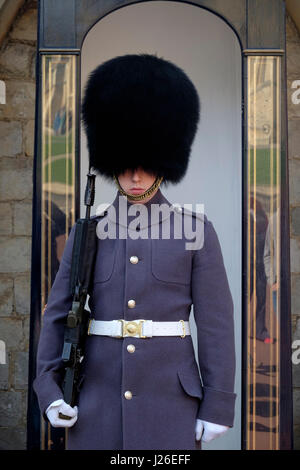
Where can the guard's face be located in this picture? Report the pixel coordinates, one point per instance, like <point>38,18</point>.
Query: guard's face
<point>137,182</point>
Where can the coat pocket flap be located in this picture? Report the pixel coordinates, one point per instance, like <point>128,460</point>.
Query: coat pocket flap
<point>166,256</point>
<point>105,261</point>
<point>191,384</point>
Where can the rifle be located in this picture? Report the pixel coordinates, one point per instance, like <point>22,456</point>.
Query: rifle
<point>76,325</point>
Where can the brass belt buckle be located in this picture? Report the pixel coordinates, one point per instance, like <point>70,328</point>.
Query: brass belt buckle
<point>183,327</point>
<point>89,326</point>
<point>132,328</point>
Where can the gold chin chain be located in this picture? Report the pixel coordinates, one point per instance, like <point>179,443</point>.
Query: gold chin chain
<point>139,197</point>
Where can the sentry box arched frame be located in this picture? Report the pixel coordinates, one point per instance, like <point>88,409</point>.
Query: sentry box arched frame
<point>260,29</point>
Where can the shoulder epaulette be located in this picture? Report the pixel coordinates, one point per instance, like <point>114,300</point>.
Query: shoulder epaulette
<point>184,210</point>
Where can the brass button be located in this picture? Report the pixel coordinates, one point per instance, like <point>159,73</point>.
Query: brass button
<point>134,259</point>
<point>131,303</point>
<point>128,395</point>
<point>131,348</point>
<point>131,328</point>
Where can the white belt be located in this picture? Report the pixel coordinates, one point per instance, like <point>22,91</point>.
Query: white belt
<point>138,328</point>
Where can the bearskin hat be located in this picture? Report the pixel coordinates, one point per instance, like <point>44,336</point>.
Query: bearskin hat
<point>140,110</point>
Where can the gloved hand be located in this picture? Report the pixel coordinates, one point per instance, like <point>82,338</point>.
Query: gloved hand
<point>60,406</point>
<point>211,430</point>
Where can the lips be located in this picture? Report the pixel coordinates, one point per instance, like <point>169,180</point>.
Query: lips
<point>136,190</point>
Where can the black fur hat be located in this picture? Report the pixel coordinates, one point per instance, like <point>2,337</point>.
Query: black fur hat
<point>140,110</point>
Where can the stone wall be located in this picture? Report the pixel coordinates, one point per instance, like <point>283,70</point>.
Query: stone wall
<point>17,70</point>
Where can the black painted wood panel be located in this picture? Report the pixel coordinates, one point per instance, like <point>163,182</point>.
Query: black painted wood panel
<point>58,24</point>
<point>265,24</point>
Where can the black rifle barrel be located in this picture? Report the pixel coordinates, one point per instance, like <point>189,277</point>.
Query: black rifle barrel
<point>81,276</point>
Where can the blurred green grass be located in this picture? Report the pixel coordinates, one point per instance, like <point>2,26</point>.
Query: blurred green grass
<point>58,159</point>
<point>263,167</point>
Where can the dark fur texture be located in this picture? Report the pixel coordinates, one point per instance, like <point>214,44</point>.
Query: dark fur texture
<point>140,110</point>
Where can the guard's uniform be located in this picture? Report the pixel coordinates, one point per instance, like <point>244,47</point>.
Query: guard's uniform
<point>146,393</point>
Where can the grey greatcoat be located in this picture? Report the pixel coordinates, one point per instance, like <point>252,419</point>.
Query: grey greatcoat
<point>162,373</point>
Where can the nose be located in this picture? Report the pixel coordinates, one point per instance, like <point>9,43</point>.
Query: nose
<point>136,175</point>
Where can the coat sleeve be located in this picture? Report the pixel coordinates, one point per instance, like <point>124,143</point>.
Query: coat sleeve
<point>213,313</point>
<point>47,383</point>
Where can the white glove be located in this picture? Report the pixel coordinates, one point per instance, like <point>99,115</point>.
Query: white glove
<point>60,406</point>
<point>211,430</point>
